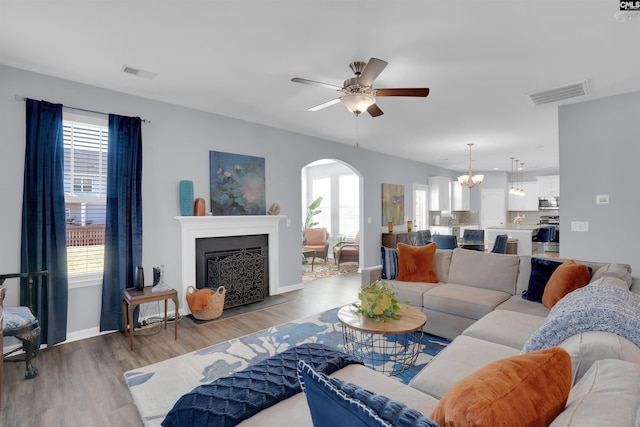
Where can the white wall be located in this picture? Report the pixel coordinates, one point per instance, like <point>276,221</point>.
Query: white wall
<point>175,147</point>
<point>600,154</point>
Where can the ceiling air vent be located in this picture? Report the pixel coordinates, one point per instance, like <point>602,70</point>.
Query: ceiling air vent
<point>137,72</point>
<point>560,93</point>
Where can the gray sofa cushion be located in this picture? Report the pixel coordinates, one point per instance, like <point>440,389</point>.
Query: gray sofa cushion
<point>461,358</point>
<point>484,270</point>
<point>466,301</point>
<point>607,395</point>
<point>505,327</point>
<point>443,263</point>
<point>411,293</point>
<point>620,271</point>
<point>517,303</point>
<point>587,347</point>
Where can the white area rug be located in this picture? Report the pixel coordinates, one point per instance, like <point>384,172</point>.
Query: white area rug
<point>155,388</point>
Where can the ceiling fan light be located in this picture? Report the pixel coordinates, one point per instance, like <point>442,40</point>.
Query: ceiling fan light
<point>357,102</point>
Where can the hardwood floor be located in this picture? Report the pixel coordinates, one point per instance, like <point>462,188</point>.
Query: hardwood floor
<point>81,383</point>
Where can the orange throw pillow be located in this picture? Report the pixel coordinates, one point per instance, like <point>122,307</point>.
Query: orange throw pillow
<point>524,390</point>
<point>417,263</point>
<point>566,278</point>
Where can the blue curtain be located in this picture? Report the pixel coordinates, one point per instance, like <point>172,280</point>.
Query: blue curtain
<point>44,237</point>
<point>123,230</point>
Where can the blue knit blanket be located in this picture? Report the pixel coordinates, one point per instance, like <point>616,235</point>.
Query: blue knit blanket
<point>229,400</point>
<point>592,308</point>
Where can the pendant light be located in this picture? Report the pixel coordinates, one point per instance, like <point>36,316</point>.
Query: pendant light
<point>511,189</point>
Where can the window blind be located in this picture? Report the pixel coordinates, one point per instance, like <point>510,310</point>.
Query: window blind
<point>85,185</point>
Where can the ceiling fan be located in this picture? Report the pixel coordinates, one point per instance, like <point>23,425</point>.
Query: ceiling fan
<point>359,95</point>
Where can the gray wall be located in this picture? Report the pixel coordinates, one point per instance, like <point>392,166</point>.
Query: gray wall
<point>600,154</point>
<point>175,147</point>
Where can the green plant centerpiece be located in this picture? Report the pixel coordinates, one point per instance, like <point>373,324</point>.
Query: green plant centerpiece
<point>378,301</point>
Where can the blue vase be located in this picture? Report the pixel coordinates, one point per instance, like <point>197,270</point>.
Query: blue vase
<point>186,198</point>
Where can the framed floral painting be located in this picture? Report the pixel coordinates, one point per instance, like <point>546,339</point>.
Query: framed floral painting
<point>237,184</point>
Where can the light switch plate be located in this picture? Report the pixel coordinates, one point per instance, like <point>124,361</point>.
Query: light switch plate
<point>579,226</point>
<point>602,199</point>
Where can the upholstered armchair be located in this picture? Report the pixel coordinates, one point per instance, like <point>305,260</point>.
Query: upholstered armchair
<point>317,239</point>
<point>21,323</point>
<point>349,252</point>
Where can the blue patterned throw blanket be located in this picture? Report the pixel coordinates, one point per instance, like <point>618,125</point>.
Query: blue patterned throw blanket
<point>229,400</point>
<point>592,308</point>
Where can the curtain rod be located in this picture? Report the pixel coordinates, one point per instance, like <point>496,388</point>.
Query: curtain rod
<point>22,98</point>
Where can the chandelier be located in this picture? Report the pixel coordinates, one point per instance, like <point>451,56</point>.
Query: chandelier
<point>470,180</point>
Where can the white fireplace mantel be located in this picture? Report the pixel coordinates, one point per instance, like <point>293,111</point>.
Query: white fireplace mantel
<point>195,227</point>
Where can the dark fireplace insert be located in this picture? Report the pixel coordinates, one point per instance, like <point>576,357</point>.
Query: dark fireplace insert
<point>239,263</point>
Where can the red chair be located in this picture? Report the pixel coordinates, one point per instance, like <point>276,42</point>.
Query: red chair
<point>316,239</point>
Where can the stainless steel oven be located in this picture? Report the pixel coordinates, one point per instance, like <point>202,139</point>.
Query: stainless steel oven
<point>554,245</point>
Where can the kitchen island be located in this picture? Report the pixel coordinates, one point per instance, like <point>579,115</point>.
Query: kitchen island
<point>522,232</point>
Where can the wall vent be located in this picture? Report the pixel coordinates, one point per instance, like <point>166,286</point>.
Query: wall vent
<point>138,72</point>
<point>560,93</point>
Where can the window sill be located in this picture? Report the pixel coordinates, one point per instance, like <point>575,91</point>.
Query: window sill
<point>85,280</point>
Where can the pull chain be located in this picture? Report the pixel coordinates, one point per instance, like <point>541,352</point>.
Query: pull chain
<point>357,137</point>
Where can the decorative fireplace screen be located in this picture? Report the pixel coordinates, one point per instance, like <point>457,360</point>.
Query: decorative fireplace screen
<point>239,263</point>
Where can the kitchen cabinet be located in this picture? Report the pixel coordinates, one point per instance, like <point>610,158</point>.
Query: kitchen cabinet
<point>460,200</point>
<point>439,193</point>
<point>528,202</point>
<point>549,185</point>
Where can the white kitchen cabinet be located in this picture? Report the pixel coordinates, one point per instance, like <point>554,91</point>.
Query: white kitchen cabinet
<point>460,200</point>
<point>528,202</point>
<point>439,193</point>
<point>549,185</point>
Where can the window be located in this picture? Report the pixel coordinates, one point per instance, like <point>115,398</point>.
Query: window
<point>85,185</point>
<point>321,187</point>
<point>349,208</point>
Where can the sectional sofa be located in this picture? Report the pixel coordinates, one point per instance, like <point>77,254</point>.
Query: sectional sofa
<point>477,302</point>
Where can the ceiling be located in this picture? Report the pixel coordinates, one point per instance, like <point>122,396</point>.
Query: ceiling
<point>236,58</point>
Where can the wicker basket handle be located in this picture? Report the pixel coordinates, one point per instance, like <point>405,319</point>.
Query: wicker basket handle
<point>221,290</point>
<point>191,289</point>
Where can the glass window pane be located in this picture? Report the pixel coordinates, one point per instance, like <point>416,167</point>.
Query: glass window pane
<point>321,187</point>
<point>85,183</point>
<point>349,209</point>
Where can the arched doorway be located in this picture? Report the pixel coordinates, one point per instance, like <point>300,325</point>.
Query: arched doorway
<point>331,199</point>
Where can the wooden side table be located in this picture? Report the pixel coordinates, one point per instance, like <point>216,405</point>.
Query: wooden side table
<point>131,298</point>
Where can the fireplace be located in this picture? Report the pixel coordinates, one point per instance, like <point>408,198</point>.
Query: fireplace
<point>239,263</point>
<point>193,228</point>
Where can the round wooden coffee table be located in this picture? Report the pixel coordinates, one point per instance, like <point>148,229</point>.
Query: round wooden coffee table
<point>390,347</point>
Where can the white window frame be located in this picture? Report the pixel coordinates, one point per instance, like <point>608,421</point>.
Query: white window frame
<point>94,278</point>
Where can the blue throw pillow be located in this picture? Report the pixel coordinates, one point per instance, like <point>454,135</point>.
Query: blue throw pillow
<point>541,271</point>
<point>334,402</point>
<point>389,262</point>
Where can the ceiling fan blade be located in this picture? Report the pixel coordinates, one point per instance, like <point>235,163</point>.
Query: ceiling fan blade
<point>314,83</point>
<point>372,70</point>
<point>374,110</point>
<point>417,91</point>
<point>325,105</point>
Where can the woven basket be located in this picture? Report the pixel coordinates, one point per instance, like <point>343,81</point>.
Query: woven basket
<point>214,309</point>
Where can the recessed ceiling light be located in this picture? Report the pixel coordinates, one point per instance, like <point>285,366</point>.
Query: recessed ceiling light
<point>496,169</point>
